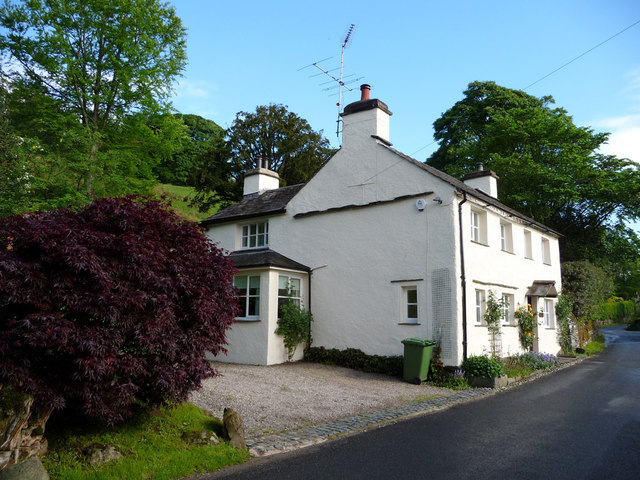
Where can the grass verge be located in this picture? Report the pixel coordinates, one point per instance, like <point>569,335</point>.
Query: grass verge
<point>151,444</point>
<point>180,198</point>
<point>595,346</point>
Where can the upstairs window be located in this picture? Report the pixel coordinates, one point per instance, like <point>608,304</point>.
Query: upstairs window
<point>506,238</point>
<point>255,235</point>
<point>248,292</point>
<point>546,251</point>
<point>479,227</point>
<point>527,245</point>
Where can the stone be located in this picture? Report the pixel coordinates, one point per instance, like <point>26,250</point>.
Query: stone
<point>98,454</point>
<point>483,382</point>
<point>201,437</point>
<point>233,428</point>
<point>31,469</point>
<point>21,429</point>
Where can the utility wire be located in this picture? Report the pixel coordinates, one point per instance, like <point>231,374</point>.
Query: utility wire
<point>560,68</point>
<point>582,54</point>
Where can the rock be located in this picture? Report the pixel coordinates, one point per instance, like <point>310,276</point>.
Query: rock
<point>201,437</point>
<point>31,469</point>
<point>233,428</point>
<point>21,429</point>
<point>100,454</point>
<point>482,382</point>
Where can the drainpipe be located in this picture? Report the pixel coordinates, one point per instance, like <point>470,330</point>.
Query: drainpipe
<point>463,279</point>
<point>309,302</point>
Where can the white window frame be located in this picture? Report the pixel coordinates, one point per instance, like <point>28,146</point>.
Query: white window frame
<point>249,299</point>
<point>508,309</point>
<point>410,306</point>
<point>283,294</point>
<point>528,251</point>
<point>548,313</point>
<point>481,304</point>
<point>506,237</point>
<point>255,235</point>
<point>475,226</point>
<point>545,247</point>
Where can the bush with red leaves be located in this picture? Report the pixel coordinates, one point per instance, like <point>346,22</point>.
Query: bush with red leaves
<point>113,304</point>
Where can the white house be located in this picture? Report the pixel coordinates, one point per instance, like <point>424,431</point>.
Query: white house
<point>381,247</point>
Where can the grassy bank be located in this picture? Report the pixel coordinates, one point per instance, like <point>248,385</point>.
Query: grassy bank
<point>154,445</point>
<point>181,198</point>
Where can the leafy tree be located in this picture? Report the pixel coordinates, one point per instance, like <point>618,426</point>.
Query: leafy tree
<point>201,135</point>
<point>285,140</point>
<point>586,287</point>
<point>94,62</point>
<point>111,304</point>
<point>549,168</point>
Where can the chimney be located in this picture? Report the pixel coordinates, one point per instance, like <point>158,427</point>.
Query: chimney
<point>366,118</point>
<point>484,180</point>
<point>364,92</point>
<point>260,179</point>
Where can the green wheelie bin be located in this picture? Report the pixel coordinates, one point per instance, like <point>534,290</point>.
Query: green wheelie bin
<point>417,357</point>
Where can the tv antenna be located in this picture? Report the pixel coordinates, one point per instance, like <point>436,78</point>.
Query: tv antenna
<point>341,81</point>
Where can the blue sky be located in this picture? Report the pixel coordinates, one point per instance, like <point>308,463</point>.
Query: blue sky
<point>418,56</point>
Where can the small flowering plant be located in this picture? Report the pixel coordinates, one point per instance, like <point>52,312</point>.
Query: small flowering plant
<point>537,360</point>
<point>526,318</point>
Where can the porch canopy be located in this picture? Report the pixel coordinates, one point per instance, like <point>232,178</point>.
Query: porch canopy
<point>542,288</point>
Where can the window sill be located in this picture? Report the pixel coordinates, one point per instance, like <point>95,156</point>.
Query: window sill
<point>247,320</point>
<point>508,251</point>
<point>409,323</point>
<point>547,263</point>
<point>479,243</point>
<point>508,325</point>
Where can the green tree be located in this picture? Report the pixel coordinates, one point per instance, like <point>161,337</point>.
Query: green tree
<point>287,141</point>
<point>96,62</point>
<point>180,167</point>
<point>549,168</point>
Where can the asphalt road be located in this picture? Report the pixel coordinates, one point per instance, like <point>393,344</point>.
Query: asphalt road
<point>582,422</point>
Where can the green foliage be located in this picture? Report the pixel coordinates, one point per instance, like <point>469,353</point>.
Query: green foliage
<point>294,325</point>
<point>494,312</point>
<point>82,73</point>
<point>587,287</point>
<point>617,310</point>
<point>595,346</point>
<point>357,360</point>
<point>526,318</point>
<point>537,360</point>
<point>549,168</point>
<point>180,167</point>
<point>564,319</point>
<point>482,366</point>
<point>152,444</point>
<point>182,201</point>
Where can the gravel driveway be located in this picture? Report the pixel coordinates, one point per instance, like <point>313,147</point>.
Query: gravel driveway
<point>282,397</point>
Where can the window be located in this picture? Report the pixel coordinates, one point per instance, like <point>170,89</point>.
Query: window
<point>507,309</point>
<point>288,287</point>
<point>255,235</point>
<point>527,245</point>
<point>248,291</point>
<point>410,300</point>
<point>478,227</point>
<point>480,306</point>
<point>547,313</point>
<point>546,251</point>
<point>506,238</point>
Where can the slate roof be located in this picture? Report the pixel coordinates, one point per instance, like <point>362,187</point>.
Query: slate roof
<point>271,202</point>
<point>264,258</point>
<point>463,187</point>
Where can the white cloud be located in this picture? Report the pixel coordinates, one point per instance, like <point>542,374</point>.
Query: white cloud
<point>195,96</point>
<point>624,141</point>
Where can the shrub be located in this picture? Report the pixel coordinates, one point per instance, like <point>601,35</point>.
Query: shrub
<point>565,321</point>
<point>537,360</point>
<point>109,305</point>
<point>482,366</point>
<point>357,360</point>
<point>526,318</point>
<point>294,325</point>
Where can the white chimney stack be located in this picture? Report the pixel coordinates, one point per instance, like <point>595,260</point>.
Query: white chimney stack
<point>260,179</point>
<point>484,180</point>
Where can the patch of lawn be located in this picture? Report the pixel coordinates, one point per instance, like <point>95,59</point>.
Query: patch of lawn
<point>180,198</point>
<point>151,444</point>
<point>516,369</point>
<point>595,346</point>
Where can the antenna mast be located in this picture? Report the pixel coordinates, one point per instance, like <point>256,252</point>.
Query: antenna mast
<point>340,80</point>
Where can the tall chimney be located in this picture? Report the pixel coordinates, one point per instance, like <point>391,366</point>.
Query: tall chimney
<point>364,92</point>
